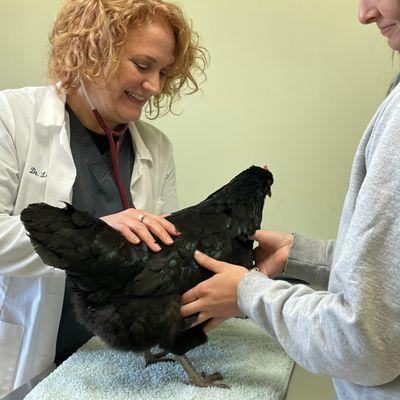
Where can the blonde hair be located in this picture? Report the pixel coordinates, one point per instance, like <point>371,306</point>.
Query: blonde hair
<point>88,38</point>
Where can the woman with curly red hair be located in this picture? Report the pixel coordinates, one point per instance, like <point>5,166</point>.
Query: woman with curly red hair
<point>80,140</point>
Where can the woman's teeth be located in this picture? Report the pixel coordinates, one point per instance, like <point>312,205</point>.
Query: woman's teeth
<point>134,96</point>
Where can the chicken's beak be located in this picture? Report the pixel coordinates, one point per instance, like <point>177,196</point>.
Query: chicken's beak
<point>270,182</point>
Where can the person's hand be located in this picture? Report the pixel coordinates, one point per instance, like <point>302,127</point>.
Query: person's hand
<point>138,225</point>
<point>273,251</point>
<point>214,299</point>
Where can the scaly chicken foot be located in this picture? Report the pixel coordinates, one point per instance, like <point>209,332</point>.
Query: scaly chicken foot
<point>201,380</point>
<point>152,358</point>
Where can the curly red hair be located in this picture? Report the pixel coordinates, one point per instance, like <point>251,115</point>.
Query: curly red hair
<point>88,37</point>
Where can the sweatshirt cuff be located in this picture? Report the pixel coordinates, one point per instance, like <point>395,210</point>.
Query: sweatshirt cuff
<point>310,260</point>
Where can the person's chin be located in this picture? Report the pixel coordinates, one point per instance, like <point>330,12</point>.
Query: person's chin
<point>394,42</point>
<point>132,115</point>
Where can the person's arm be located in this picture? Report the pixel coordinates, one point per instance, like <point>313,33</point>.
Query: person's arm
<point>17,256</point>
<point>351,332</point>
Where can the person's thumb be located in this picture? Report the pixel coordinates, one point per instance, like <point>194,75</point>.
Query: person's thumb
<point>257,235</point>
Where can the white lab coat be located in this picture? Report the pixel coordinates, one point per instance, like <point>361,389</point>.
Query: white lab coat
<point>36,165</point>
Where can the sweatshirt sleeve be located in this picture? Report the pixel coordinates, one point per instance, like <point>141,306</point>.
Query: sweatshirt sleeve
<point>352,331</point>
<point>310,260</point>
<point>17,256</point>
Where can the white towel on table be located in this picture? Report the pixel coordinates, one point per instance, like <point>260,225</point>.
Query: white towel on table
<point>253,365</point>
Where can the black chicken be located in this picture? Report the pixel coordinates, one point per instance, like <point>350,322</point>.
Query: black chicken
<point>130,296</point>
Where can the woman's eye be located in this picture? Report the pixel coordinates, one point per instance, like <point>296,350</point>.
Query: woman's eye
<point>141,67</point>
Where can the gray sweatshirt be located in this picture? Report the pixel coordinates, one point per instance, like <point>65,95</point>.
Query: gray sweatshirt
<point>351,330</point>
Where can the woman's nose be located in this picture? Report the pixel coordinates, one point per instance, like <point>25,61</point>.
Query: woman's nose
<point>368,11</point>
<point>153,84</point>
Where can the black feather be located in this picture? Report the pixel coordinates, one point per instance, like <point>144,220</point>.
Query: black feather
<point>130,296</point>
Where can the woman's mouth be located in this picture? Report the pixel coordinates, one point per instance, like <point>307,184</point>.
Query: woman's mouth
<point>136,98</point>
<point>385,30</point>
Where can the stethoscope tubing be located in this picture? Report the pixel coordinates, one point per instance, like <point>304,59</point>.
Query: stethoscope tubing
<point>114,151</point>
<point>114,148</point>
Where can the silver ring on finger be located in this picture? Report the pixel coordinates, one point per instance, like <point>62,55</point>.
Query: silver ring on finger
<point>141,217</point>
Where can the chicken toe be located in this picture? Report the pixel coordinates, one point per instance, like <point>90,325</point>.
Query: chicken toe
<point>152,358</point>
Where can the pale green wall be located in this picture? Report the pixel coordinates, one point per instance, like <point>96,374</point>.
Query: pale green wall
<point>291,83</point>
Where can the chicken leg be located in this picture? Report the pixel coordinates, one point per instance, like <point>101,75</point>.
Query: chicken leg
<point>201,380</point>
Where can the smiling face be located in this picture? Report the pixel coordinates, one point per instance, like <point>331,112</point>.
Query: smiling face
<point>147,54</point>
<point>386,15</point>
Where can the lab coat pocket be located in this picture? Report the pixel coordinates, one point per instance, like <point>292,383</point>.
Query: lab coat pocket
<point>10,346</point>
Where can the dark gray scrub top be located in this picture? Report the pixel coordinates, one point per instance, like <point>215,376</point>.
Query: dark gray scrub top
<point>95,192</point>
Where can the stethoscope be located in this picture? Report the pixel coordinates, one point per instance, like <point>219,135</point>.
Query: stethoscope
<point>115,147</point>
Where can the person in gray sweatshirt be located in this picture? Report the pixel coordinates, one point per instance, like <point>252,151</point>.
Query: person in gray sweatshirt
<point>349,331</point>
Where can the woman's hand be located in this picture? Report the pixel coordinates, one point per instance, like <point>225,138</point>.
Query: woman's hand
<point>138,225</point>
<point>214,299</point>
<point>273,251</point>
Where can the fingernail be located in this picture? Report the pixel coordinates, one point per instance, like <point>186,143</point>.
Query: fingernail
<point>157,247</point>
<point>197,253</point>
<point>170,241</point>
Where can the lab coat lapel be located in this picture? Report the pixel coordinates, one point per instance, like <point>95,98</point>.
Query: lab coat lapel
<point>142,154</point>
<point>61,166</point>
<point>141,188</point>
